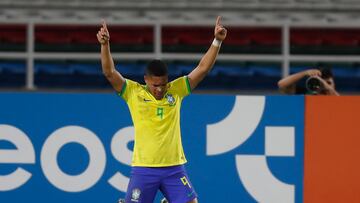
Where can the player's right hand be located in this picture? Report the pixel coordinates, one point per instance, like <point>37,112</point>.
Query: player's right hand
<point>103,35</point>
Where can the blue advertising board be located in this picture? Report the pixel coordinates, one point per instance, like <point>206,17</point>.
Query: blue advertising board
<point>57,147</point>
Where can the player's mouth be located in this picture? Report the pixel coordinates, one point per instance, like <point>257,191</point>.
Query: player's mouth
<point>159,95</point>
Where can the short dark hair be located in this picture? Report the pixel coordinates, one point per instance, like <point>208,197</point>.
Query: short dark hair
<point>326,72</point>
<point>156,67</point>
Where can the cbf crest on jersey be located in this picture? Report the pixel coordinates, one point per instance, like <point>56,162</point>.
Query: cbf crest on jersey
<point>170,99</point>
<point>135,195</point>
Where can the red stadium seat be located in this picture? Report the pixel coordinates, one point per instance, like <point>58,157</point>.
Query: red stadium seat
<point>52,37</point>
<point>187,35</point>
<point>13,33</point>
<point>238,41</point>
<point>55,34</point>
<point>340,38</point>
<point>333,37</point>
<point>299,37</point>
<point>132,34</point>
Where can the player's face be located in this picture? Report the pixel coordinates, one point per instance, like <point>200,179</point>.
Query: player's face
<point>157,85</point>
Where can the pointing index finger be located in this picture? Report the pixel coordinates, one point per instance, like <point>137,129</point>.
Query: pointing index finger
<point>218,20</point>
<point>104,24</point>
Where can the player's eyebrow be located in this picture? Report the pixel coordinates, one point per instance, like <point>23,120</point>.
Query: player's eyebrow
<point>160,84</point>
<point>156,85</point>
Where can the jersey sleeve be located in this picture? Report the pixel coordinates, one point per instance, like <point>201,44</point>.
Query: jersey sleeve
<point>181,86</point>
<point>128,89</point>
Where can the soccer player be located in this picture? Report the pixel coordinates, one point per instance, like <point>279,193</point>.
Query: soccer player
<point>158,158</point>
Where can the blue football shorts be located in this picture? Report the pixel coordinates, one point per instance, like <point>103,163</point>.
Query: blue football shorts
<point>172,181</point>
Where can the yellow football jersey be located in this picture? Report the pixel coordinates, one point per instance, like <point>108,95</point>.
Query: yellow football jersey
<point>156,123</point>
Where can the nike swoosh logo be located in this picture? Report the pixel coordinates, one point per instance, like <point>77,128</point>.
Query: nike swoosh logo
<point>146,100</point>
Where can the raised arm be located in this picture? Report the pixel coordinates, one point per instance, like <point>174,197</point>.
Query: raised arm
<point>287,85</point>
<point>107,62</point>
<point>208,60</point>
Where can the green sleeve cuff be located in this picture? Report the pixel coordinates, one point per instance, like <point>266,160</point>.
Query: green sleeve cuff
<point>188,84</point>
<point>123,89</point>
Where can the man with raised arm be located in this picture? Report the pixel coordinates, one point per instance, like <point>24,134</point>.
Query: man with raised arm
<point>158,158</point>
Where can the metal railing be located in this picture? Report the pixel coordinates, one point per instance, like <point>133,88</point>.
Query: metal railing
<point>285,57</point>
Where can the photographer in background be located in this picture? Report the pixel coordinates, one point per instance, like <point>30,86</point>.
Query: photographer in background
<point>318,82</point>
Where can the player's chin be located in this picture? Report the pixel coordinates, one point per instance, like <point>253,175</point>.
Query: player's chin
<point>159,96</point>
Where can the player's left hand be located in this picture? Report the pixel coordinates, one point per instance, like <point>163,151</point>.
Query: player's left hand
<point>219,32</point>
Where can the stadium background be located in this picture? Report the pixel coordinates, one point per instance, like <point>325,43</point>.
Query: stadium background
<point>49,49</point>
